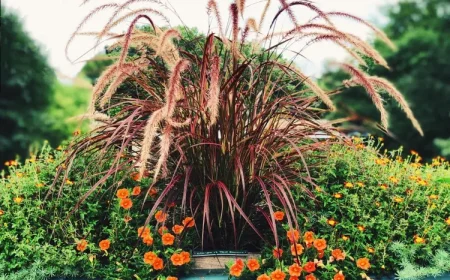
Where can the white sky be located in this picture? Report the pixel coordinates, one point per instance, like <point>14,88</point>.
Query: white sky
<point>51,22</point>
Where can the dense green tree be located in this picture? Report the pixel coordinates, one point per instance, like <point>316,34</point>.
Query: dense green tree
<point>26,89</point>
<point>420,69</point>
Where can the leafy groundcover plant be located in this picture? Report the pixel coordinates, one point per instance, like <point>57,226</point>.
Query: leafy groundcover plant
<point>375,213</point>
<point>104,239</point>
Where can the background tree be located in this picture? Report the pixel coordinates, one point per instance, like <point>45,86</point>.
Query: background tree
<point>420,69</point>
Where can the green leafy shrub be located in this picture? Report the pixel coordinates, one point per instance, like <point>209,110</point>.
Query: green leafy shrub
<point>40,234</point>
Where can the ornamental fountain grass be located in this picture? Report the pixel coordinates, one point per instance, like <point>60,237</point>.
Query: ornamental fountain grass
<point>222,129</point>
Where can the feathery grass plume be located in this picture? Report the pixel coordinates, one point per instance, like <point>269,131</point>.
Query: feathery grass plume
<point>150,131</point>
<point>235,27</point>
<point>214,91</point>
<point>83,22</point>
<point>174,85</point>
<point>165,37</point>
<point>286,7</point>
<point>241,6</point>
<point>388,87</point>
<point>360,78</point>
<point>377,31</point>
<point>131,15</point>
<point>212,6</point>
<point>104,79</point>
<point>166,140</point>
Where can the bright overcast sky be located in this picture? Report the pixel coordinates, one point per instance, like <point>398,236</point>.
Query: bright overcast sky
<point>51,23</point>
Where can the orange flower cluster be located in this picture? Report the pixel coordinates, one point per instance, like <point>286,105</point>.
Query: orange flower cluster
<point>238,267</point>
<point>180,259</point>
<point>104,244</point>
<point>144,233</point>
<point>160,216</point>
<point>152,259</point>
<point>82,245</point>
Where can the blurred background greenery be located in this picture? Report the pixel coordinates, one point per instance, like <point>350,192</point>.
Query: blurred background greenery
<point>36,104</point>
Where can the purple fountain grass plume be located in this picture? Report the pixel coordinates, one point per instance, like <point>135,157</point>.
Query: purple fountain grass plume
<point>165,143</point>
<point>165,37</point>
<point>150,131</point>
<point>171,93</point>
<point>83,22</point>
<point>363,80</point>
<point>104,79</point>
<point>241,6</point>
<point>388,87</point>
<point>263,14</point>
<point>214,91</point>
<point>286,7</point>
<point>235,27</point>
<point>212,6</point>
<point>131,15</point>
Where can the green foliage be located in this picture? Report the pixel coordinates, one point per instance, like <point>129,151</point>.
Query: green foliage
<point>39,236</point>
<point>419,68</point>
<point>25,88</point>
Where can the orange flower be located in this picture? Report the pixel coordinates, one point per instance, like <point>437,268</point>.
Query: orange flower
<point>419,240</point>
<point>360,184</point>
<point>338,254</point>
<point>348,185</point>
<point>371,250</point>
<point>160,216</point>
<point>332,222</point>
<point>293,278</point>
<point>82,245</point>
<point>167,239</point>
<point>2,212</point>
<point>433,196</point>
<point>309,237</point>
<point>310,277</point>
<point>277,275</point>
<point>189,222</point>
<point>135,176</point>
<point>277,253</point>
<point>177,229</point>
<point>279,215</point>
<point>295,270</point>
<point>293,235</point>
<point>127,218</point>
<point>363,263</point>
<point>148,240</point>
<point>297,249</point>
<point>398,199</point>
<point>320,244</point>
<point>104,244</point>
<point>240,263</point>
<point>162,230</point>
<point>186,257</point>
<point>177,259</point>
<point>142,232</point>
<point>361,228</point>
<point>253,264</point>
<point>158,264</point>
<point>383,186</point>
<point>136,190</point>
<point>126,203</point>
<point>263,277</point>
<point>339,276</point>
<point>337,195</point>
<point>152,192</point>
<point>447,221</point>
<point>150,257</point>
<point>122,193</point>
<point>394,180</point>
<point>171,278</point>
<point>309,267</point>
<point>18,199</point>
<point>236,270</point>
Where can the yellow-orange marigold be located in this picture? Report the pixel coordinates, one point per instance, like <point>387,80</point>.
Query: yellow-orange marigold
<point>338,254</point>
<point>296,249</point>
<point>295,270</point>
<point>277,275</point>
<point>236,270</point>
<point>104,244</point>
<point>126,203</point>
<point>419,240</point>
<point>186,257</point>
<point>127,218</point>
<point>308,237</point>
<point>320,244</point>
<point>348,185</point>
<point>158,264</point>
<point>167,239</point>
<point>177,259</point>
<point>136,190</point>
<point>363,263</point>
<point>263,277</point>
<point>160,216</point>
<point>339,276</point>
<point>253,264</point>
<point>361,228</point>
<point>337,195</point>
<point>332,222</point>
<point>188,222</point>
<point>293,235</point>
<point>279,215</point>
<point>309,267</point>
<point>122,193</point>
<point>177,229</point>
<point>150,257</point>
<point>82,245</point>
<point>447,221</point>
